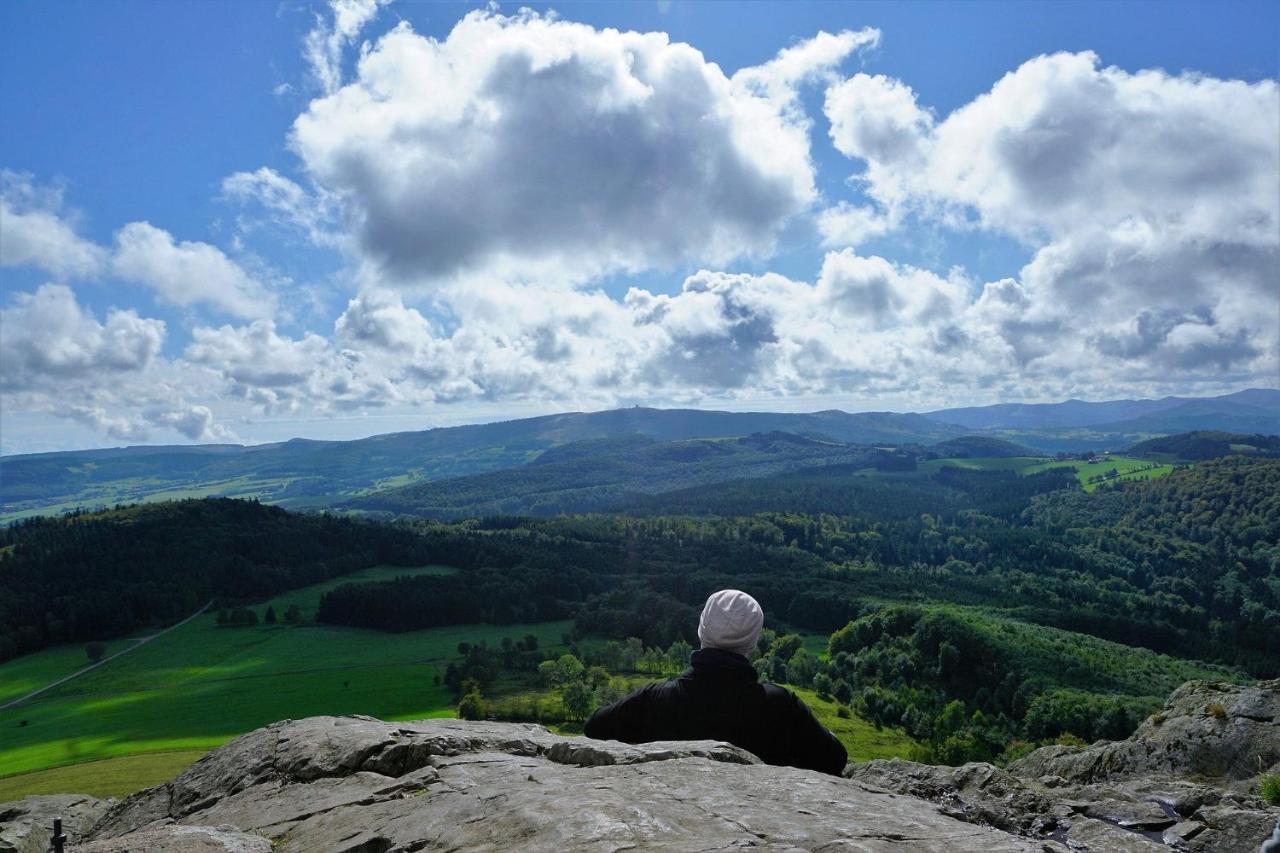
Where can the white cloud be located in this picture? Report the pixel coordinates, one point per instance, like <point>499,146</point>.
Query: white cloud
<point>34,231</point>
<point>195,422</point>
<point>379,318</point>
<point>282,374</point>
<point>848,225</point>
<point>1152,201</point>
<point>286,201</point>
<point>324,45</point>
<point>188,273</point>
<point>810,60</point>
<point>532,148</point>
<point>49,338</point>
<point>112,426</point>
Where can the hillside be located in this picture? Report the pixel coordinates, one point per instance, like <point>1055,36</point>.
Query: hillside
<point>302,473</point>
<point>595,475</point>
<point>979,447</point>
<point>1175,414</point>
<point>104,575</point>
<point>1194,446</point>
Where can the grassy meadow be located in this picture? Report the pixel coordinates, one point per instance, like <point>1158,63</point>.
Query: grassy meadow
<point>1127,468</point>
<point>140,719</point>
<point>201,685</point>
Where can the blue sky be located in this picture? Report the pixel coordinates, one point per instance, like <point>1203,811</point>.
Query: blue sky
<point>124,122</point>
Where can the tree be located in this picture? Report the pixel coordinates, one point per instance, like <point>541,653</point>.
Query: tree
<point>472,706</point>
<point>270,618</point>
<point>293,614</point>
<point>578,698</point>
<point>95,650</point>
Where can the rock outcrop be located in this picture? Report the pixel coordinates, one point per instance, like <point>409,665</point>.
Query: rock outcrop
<point>356,785</point>
<point>1212,730</point>
<point>27,825</point>
<point>1186,779</point>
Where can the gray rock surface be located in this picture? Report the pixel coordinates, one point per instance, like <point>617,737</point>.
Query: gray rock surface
<point>1184,780</point>
<point>26,825</point>
<point>180,839</point>
<point>358,784</point>
<point>1215,730</point>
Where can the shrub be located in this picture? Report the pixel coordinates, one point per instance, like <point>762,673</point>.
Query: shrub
<point>1157,719</point>
<point>1216,710</point>
<point>842,711</point>
<point>1269,789</point>
<point>1017,748</point>
<point>471,706</point>
<point>94,651</point>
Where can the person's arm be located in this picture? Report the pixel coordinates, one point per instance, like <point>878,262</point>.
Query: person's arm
<point>623,720</point>
<point>814,747</point>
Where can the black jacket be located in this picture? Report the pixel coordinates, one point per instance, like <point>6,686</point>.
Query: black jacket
<point>720,698</point>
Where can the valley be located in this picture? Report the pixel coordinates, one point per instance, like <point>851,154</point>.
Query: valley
<point>965,599</point>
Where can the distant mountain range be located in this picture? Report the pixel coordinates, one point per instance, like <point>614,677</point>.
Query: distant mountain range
<point>1255,410</point>
<point>304,473</point>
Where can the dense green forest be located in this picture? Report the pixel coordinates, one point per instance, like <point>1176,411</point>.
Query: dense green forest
<point>1208,445</point>
<point>1186,565</point>
<point>103,575</point>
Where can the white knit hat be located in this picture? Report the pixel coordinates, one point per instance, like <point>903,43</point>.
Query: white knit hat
<point>731,620</point>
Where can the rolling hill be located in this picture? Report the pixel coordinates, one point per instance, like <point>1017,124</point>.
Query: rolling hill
<point>1258,410</point>
<point>304,473</point>
<point>597,474</point>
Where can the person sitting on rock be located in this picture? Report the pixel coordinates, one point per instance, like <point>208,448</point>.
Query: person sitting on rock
<point>721,698</point>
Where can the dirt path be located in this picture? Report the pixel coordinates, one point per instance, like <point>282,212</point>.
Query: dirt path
<point>79,672</point>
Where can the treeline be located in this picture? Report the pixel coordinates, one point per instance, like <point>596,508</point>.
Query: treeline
<point>1186,565</point>
<point>495,596</point>
<point>94,576</point>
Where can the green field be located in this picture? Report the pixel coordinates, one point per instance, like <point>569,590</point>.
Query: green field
<point>31,672</point>
<point>108,777</point>
<point>861,739</point>
<point>1127,468</point>
<point>201,685</point>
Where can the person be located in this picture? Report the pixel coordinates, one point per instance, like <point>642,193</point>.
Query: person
<point>720,697</point>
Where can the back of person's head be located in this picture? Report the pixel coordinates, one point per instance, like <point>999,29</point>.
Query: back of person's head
<point>732,621</point>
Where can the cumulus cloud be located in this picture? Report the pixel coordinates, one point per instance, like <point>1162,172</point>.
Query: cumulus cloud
<point>1152,203</point>
<point>379,318</point>
<point>195,422</point>
<point>35,231</point>
<point>48,338</point>
<point>187,273</point>
<point>535,148</point>
<point>282,374</point>
<point>112,426</point>
<point>873,291</point>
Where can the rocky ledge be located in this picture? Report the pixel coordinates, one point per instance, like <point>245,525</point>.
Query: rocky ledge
<point>1187,779</point>
<point>358,785</point>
